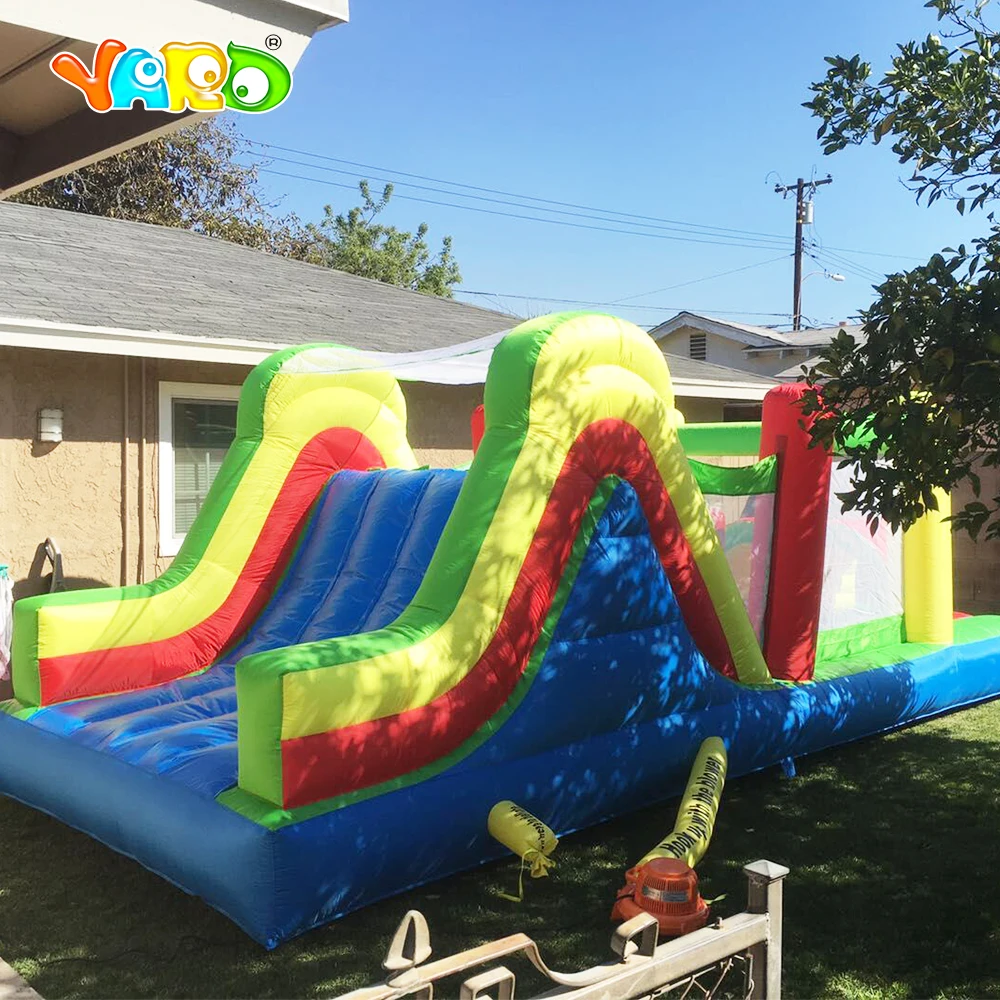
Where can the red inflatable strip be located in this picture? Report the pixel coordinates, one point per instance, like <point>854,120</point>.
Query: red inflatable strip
<point>478,426</point>
<point>795,586</point>
<point>128,668</point>
<point>343,760</point>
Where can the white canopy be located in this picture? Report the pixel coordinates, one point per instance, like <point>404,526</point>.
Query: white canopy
<point>460,364</point>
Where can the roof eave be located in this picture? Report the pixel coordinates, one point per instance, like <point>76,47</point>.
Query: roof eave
<point>35,334</point>
<point>54,132</point>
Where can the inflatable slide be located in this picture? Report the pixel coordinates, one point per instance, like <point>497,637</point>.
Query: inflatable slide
<point>352,660</point>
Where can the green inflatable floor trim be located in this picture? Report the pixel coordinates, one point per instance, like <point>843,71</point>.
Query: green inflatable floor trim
<point>967,630</point>
<point>741,481</point>
<point>13,707</point>
<point>851,640</point>
<point>715,440</point>
<point>267,814</point>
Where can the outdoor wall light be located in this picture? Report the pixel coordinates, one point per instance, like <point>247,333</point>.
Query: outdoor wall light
<point>50,425</point>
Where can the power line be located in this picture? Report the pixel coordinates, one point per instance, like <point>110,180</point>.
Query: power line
<point>582,302</point>
<point>529,218</point>
<point>861,270</point>
<point>695,281</point>
<point>875,253</point>
<point>732,236</point>
<point>825,257</point>
<point>680,228</point>
<point>509,194</point>
<point>647,220</point>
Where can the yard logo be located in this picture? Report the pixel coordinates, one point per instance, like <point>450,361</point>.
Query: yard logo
<point>195,75</point>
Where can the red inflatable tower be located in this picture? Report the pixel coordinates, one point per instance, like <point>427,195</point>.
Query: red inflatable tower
<point>801,506</point>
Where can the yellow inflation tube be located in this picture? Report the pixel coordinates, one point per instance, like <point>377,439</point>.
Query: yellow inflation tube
<point>692,830</point>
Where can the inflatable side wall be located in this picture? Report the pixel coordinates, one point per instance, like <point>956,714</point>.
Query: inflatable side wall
<point>293,431</point>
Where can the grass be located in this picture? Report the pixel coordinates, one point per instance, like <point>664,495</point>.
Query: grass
<point>893,843</point>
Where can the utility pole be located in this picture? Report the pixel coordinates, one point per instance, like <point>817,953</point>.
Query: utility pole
<point>803,216</point>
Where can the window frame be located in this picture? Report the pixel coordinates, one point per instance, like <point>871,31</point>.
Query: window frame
<point>169,543</point>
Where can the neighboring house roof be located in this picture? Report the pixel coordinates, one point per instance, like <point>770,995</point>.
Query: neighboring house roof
<point>743,333</point>
<point>793,372</point>
<point>754,338</point>
<point>78,270</point>
<point>822,336</point>
<point>811,341</point>
<point>687,371</point>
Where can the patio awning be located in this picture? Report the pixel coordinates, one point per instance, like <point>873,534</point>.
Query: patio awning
<point>46,128</point>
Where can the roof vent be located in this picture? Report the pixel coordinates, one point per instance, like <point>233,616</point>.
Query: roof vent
<point>843,322</point>
<point>697,346</point>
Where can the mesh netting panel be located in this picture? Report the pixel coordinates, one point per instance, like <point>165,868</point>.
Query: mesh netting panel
<point>862,573</point>
<point>745,525</point>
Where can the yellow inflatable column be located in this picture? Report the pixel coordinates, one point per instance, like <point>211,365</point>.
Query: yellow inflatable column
<point>928,600</point>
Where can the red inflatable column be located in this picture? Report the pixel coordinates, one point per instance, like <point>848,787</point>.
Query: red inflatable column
<point>795,584</point>
<point>478,426</point>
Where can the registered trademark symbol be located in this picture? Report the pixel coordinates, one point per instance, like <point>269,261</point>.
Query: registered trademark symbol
<point>272,42</point>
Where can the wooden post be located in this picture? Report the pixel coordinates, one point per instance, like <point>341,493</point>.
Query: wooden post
<point>764,891</point>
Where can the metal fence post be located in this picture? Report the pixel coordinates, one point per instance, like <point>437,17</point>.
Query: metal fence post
<point>764,888</point>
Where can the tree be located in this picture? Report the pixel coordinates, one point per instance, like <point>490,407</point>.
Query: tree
<point>922,387</point>
<point>191,179</point>
<point>197,178</point>
<point>355,242</point>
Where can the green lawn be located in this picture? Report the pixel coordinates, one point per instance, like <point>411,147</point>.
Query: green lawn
<point>894,846</point>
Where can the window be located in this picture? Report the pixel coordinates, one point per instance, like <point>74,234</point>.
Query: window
<point>698,346</point>
<point>197,425</point>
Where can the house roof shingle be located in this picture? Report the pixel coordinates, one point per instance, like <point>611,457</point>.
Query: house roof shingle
<point>68,268</point>
<point>688,369</point>
<point>821,336</point>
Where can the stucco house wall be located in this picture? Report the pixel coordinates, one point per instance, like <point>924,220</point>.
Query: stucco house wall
<point>70,490</point>
<point>977,564</point>
<point>701,411</point>
<point>719,350</point>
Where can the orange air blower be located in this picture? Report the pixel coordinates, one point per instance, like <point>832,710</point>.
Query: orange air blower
<point>668,889</point>
<point>663,883</point>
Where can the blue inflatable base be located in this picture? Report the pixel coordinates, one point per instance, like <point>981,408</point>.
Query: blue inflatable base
<point>613,717</point>
<point>276,884</point>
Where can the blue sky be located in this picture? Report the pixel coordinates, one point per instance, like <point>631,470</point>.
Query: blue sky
<point>687,112</point>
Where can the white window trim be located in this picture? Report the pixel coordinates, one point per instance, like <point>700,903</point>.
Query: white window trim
<point>169,543</point>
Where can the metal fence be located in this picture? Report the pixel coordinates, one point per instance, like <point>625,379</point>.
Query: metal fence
<point>738,956</point>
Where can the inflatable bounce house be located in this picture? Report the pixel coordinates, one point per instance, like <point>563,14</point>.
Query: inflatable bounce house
<point>351,660</point>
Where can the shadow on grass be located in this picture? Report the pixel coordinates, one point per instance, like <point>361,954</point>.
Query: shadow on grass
<point>892,843</point>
